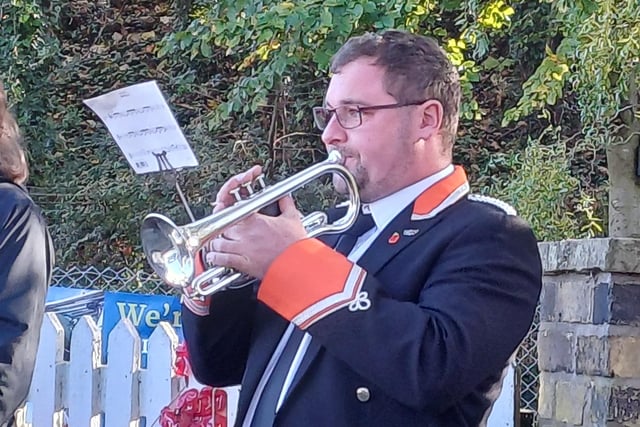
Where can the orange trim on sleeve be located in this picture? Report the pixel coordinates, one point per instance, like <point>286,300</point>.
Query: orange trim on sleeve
<point>329,305</point>
<point>296,282</point>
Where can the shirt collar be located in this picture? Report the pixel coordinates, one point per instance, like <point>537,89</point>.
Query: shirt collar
<point>387,208</point>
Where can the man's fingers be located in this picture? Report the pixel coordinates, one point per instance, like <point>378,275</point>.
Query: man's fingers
<point>288,207</point>
<point>237,184</point>
<point>224,243</point>
<point>225,259</point>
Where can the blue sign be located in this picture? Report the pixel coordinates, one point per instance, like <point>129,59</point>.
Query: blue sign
<point>145,313</point>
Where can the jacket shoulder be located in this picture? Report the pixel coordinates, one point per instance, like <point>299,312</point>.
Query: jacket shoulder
<point>14,199</point>
<point>491,204</point>
<point>492,213</point>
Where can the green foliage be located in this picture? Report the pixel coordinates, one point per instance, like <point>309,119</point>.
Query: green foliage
<point>274,41</point>
<point>600,45</point>
<point>542,190</point>
<point>240,78</point>
<point>28,51</point>
<point>543,89</point>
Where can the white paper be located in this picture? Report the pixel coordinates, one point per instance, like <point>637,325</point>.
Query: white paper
<point>143,126</point>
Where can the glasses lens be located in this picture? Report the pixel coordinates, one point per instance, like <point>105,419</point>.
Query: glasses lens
<point>321,117</point>
<point>349,116</point>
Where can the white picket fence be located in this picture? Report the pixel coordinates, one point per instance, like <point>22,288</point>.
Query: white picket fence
<point>81,391</point>
<point>84,392</point>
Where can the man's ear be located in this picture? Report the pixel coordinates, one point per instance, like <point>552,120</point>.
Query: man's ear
<point>432,114</point>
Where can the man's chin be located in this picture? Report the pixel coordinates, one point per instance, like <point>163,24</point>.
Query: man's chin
<point>339,185</point>
<point>341,188</point>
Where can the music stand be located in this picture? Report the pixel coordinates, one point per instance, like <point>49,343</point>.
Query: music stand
<point>164,166</point>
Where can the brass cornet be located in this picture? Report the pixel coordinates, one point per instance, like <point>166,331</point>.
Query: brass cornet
<point>171,250</point>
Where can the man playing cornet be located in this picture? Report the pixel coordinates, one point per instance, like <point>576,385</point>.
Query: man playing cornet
<point>412,326</point>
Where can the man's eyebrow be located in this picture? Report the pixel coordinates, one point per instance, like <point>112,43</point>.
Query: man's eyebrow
<point>347,101</point>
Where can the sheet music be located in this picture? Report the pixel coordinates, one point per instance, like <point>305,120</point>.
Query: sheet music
<point>143,126</point>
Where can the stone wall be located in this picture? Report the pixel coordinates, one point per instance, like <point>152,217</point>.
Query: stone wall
<point>589,337</point>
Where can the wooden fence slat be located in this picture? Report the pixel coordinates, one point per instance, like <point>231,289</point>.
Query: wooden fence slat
<point>83,381</point>
<point>45,394</point>
<point>504,410</point>
<point>121,394</point>
<point>159,384</point>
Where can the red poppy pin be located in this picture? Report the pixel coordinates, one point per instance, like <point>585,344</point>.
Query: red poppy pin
<point>394,238</point>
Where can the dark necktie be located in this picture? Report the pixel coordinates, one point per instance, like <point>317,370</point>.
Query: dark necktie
<point>346,242</point>
<point>266,409</point>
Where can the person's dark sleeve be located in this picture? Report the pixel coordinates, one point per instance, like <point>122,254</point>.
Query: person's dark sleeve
<point>26,260</point>
<point>218,342</point>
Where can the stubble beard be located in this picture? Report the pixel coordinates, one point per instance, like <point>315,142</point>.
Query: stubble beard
<point>361,177</point>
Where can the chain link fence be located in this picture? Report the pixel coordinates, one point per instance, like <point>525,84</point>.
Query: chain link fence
<point>527,362</point>
<point>108,279</point>
<point>127,280</point>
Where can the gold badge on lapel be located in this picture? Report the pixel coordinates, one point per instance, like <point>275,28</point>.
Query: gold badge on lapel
<point>394,238</point>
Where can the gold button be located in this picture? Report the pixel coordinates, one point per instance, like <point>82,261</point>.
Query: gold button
<point>363,395</point>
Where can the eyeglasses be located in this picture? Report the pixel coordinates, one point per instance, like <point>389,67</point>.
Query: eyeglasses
<point>350,116</point>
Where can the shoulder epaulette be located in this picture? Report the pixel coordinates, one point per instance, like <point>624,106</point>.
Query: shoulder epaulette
<point>507,208</point>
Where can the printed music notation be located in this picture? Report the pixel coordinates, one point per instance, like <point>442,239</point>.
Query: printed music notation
<point>158,130</point>
<point>136,111</point>
<point>169,148</point>
<point>142,124</point>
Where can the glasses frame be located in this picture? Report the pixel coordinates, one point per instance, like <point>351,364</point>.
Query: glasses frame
<point>360,110</point>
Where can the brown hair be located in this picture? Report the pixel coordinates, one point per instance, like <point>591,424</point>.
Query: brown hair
<point>417,68</point>
<point>13,163</point>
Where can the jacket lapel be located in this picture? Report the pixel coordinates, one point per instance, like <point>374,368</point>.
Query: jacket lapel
<point>399,234</point>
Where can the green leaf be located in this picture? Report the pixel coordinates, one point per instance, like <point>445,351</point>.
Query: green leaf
<point>357,11</point>
<point>205,49</point>
<point>326,19</point>
<point>491,63</point>
<point>387,21</point>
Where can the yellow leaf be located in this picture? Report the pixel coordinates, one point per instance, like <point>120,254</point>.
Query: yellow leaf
<point>149,35</point>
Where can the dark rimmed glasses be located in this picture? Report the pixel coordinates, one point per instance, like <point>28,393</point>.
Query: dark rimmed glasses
<point>350,116</point>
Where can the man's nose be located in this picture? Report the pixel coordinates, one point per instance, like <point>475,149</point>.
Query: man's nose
<point>333,133</point>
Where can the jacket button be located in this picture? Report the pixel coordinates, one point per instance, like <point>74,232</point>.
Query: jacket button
<point>363,394</point>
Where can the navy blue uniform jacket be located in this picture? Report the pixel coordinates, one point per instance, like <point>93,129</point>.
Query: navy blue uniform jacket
<point>426,320</point>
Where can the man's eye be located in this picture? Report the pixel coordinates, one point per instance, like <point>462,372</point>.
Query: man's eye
<point>352,111</point>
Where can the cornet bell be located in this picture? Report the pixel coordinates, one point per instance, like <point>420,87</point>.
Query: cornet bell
<point>167,250</point>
